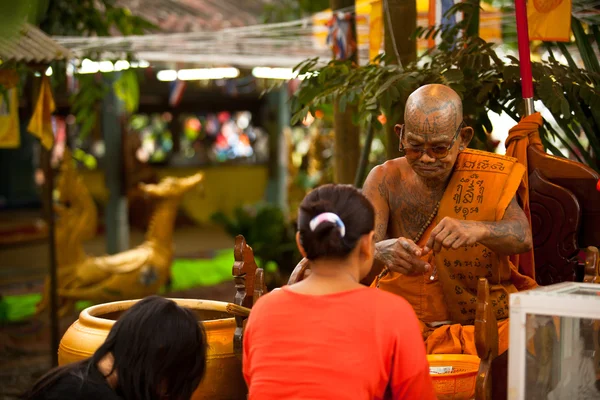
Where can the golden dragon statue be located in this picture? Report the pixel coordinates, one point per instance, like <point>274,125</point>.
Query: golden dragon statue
<point>76,219</point>
<point>134,273</point>
<point>76,212</point>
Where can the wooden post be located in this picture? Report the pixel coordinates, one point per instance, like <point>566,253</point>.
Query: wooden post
<point>400,22</point>
<point>347,135</point>
<point>117,215</point>
<point>48,212</point>
<point>364,157</point>
<point>54,320</point>
<point>278,120</point>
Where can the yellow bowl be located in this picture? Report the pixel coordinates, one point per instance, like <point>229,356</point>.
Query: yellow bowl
<point>458,384</point>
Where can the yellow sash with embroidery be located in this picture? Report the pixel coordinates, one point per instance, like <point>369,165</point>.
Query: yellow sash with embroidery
<point>480,189</point>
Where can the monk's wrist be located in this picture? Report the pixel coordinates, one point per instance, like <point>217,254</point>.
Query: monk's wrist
<point>482,232</point>
<point>382,250</point>
<point>378,253</point>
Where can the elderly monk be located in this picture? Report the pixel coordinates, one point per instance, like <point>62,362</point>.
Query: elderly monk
<point>446,216</point>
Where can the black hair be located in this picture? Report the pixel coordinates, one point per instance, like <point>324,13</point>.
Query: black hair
<point>351,206</point>
<point>159,350</point>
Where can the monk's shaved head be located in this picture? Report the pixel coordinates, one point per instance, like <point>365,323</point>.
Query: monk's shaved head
<point>433,110</point>
<point>433,133</point>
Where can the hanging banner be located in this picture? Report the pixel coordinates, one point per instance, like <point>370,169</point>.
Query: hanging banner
<point>9,119</point>
<point>370,16</point>
<point>375,29</point>
<point>369,29</point>
<point>41,120</point>
<point>437,16</point>
<point>340,37</point>
<point>549,20</point>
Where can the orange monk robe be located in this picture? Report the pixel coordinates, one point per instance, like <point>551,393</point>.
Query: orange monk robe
<point>480,189</point>
<point>520,137</point>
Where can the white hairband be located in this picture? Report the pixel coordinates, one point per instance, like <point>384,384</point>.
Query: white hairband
<point>329,217</point>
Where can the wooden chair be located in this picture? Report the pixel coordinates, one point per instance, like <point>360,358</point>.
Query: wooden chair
<point>249,284</point>
<point>565,214</point>
<point>486,340</point>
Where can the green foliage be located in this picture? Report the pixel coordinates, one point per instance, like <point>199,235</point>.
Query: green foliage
<point>85,102</point>
<point>485,82</point>
<point>267,230</point>
<point>572,94</point>
<point>378,89</point>
<point>21,71</point>
<point>91,18</point>
<point>94,18</point>
<point>13,15</point>
<point>127,88</point>
<point>80,18</point>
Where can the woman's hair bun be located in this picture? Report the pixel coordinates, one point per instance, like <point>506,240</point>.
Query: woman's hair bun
<point>331,220</point>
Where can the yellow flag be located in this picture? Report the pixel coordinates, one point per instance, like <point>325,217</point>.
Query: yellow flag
<point>549,20</point>
<point>41,120</point>
<point>375,29</point>
<point>9,120</point>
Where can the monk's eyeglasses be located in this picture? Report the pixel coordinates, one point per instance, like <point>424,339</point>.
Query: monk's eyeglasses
<point>436,152</point>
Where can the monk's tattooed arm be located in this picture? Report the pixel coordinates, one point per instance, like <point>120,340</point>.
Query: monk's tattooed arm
<point>511,235</point>
<point>376,191</point>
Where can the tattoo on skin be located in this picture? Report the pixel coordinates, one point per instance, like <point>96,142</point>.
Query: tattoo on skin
<point>512,235</point>
<point>380,229</point>
<point>511,226</point>
<point>371,192</point>
<point>410,207</point>
<point>513,229</point>
<point>382,190</point>
<point>428,118</point>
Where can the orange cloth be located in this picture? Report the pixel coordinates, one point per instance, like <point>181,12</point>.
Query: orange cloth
<point>448,339</point>
<point>445,305</point>
<point>549,20</point>
<point>520,137</point>
<point>358,344</point>
<point>480,189</point>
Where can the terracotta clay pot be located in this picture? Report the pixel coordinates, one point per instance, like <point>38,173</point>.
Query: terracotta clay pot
<point>223,378</point>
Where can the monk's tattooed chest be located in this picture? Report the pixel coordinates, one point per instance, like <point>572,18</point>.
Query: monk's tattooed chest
<point>411,209</point>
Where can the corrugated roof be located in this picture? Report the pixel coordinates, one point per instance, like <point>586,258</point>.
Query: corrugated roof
<point>198,15</point>
<point>32,46</point>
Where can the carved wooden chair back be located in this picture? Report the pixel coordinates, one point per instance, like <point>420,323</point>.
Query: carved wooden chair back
<point>565,213</point>
<point>249,284</point>
<point>486,340</point>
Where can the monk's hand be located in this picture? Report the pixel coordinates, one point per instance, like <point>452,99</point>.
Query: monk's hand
<point>402,255</point>
<point>451,233</point>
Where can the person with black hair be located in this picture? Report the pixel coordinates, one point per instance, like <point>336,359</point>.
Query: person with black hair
<point>156,350</point>
<point>328,336</point>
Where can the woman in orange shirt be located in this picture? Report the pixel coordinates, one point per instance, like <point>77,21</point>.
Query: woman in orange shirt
<point>328,336</point>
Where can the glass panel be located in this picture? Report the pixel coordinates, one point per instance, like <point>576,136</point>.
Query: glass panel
<point>563,358</point>
<point>587,291</point>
